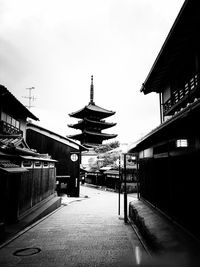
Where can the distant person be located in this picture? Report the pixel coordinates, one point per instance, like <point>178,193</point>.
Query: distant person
<point>82,180</point>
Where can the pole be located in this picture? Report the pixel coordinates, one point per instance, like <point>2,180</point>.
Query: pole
<point>125,192</point>
<point>29,98</point>
<point>119,185</point>
<point>137,177</point>
<point>161,108</point>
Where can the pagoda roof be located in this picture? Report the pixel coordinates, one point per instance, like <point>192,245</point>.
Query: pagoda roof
<point>91,108</point>
<point>102,136</point>
<point>102,124</point>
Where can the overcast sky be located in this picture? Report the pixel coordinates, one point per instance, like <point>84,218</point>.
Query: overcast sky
<point>56,45</point>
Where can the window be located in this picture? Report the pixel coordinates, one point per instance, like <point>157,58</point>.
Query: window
<point>3,116</point>
<point>182,143</point>
<point>38,164</point>
<point>9,119</point>
<point>13,122</point>
<point>51,164</point>
<point>27,164</point>
<point>45,164</point>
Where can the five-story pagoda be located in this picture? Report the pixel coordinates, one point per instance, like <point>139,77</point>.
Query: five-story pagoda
<point>92,123</point>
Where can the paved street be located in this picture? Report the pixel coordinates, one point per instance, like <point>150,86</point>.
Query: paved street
<point>85,232</point>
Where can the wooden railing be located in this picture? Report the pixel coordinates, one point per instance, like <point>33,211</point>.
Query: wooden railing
<point>6,128</point>
<point>181,93</point>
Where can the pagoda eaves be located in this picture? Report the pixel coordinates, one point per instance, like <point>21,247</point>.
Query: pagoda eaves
<point>92,110</point>
<point>95,135</point>
<point>91,123</point>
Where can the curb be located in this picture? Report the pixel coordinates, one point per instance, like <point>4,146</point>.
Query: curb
<point>28,227</point>
<point>141,239</point>
<point>138,222</point>
<point>35,222</point>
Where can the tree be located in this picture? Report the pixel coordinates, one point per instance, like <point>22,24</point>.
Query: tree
<point>104,152</point>
<point>107,147</point>
<point>110,159</point>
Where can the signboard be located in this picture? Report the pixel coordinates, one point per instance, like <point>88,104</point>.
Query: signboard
<point>74,157</point>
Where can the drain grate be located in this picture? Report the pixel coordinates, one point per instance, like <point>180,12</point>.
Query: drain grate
<point>26,252</point>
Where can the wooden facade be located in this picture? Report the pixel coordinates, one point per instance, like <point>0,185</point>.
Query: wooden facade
<point>169,155</point>
<point>112,179</point>
<point>67,153</point>
<point>13,114</point>
<point>27,178</point>
<point>31,181</point>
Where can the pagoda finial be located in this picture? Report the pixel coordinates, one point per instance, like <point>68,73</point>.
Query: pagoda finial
<point>92,91</point>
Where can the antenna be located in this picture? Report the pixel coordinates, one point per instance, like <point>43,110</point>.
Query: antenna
<point>30,97</point>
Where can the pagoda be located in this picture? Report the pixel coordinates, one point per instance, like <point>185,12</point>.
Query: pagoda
<point>92,123</point>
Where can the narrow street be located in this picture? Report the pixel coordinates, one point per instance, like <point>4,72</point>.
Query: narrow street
<point>86,232</point>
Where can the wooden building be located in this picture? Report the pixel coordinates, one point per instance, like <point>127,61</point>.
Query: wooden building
<point>169,155</point>
<point>66,151</point>
<point>115,179</point>
<point>94,177</point>
<point>13,114</point>
<point>92,123</point>
<point>27,178</point>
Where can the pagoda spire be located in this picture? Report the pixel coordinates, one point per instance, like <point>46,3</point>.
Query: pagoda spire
<point>92,123</point>
<point>92,92</point>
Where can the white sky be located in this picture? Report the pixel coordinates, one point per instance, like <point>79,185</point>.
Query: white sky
<point>56,45</point>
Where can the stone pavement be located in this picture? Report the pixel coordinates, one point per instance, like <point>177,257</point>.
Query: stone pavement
<point>44,208</point>
<point>168,243</point>
<point>85,232</point>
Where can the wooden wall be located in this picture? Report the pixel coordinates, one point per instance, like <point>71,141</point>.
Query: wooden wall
<point>60,152</point>
<point>25,190</point>
<point>35,186</point>
<point>171,185</point>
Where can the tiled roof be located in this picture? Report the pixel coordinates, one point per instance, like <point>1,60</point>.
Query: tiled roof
<point>164,127</point>
<point>55,136</point>
<point>7,141</point>
<point>15,144</point>
<point>99,109</point>
<point>103,135</point>
<point>175,51</point>
<point>92,108</point>
<point>85,121</point>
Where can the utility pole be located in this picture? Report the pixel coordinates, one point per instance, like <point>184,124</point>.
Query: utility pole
<point>119,184</point>
<point>125,192</point>
<point>30,97</point>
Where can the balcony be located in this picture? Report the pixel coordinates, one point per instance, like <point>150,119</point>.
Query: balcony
<point>6,128</point>
<point>182,96</point>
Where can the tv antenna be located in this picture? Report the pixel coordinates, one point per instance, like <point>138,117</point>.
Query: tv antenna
<point>30,97</point>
